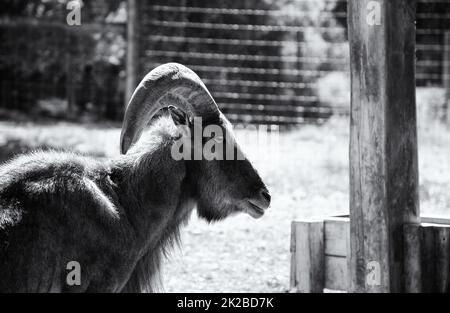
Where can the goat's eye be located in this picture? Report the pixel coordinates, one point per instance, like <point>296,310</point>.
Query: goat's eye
<point>218,139</point>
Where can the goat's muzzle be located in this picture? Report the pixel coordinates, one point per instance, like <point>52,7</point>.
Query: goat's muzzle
<point>256,206</point>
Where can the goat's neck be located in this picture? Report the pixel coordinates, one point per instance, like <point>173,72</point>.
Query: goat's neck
<point>154,194</point>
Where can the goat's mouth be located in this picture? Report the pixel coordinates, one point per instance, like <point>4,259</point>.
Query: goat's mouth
<point>253,209</point>
<point>257,205</point>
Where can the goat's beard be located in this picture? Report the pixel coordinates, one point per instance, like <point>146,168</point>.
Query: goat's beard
<point>213,213</point>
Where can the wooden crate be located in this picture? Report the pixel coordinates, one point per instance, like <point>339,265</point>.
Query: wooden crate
<point>319,250</point>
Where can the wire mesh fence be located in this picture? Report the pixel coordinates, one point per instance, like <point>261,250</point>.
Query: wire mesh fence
<point>283,62</point>
<point>266,62</point>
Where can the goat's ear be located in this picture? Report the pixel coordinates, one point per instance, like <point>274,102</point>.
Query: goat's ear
<point>178,116</point>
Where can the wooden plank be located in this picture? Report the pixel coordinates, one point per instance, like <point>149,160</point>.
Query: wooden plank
<point>307,262</point>
<point>383,141</point>
<point>428,264</point>
<point>293,276</point>
<point>443,259</point>
<point>435,257</point>
<point>348,258</point>
<point>336,232</point>
<point>412,236</point>
<point>335,273</point>
<point>435,220</point>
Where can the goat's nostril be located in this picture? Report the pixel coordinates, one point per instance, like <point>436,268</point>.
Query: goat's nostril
<point>266,195</point>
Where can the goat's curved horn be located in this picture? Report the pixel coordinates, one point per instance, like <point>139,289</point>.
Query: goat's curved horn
<point>168,84</point>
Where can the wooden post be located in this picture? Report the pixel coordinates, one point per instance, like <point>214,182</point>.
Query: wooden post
<point>132,61</point>
<point>383,141</point>
<point>446,77</point>
<point>307,257</point>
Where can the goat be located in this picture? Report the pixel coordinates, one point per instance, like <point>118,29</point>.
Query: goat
<point>116,218</point>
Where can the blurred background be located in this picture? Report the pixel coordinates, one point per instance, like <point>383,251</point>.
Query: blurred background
<point>278,70</point>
